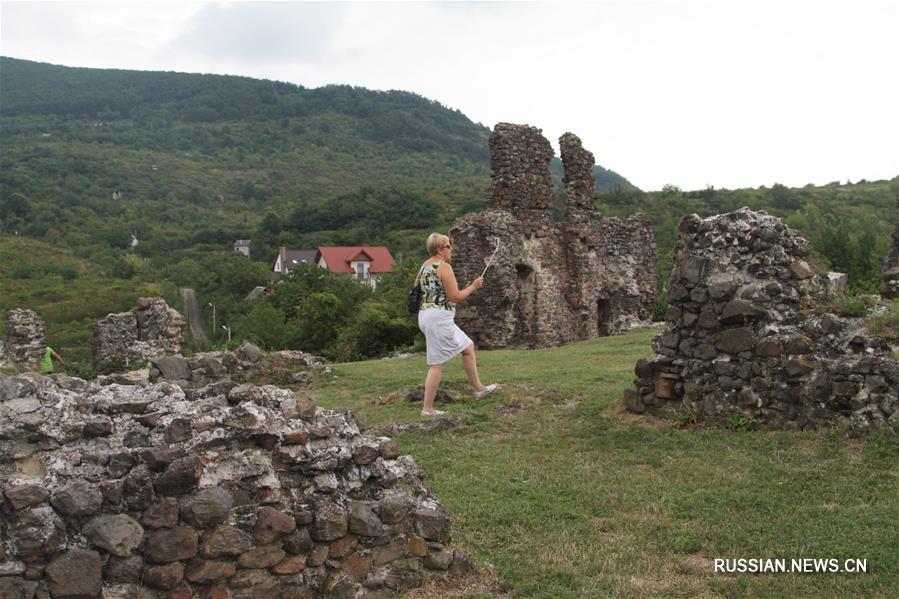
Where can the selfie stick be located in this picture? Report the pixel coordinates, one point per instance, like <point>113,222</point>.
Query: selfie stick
<point>489,262</point>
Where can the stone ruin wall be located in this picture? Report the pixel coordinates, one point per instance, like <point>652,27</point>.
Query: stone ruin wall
<point>175,480</point>
<point>26,339</point>
<point>150,330</point>
<point>237,491</point>
<point>890,287</point>
<point>550,283</point>
<point>749,337</point>
<point>151,334</point>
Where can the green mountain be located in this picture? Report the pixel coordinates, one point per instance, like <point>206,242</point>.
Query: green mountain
<point>91,156</point>
<point>157,102</point>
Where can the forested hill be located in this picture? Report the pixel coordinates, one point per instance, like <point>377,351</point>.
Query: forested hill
<point>156,101</point>
<point>153,100</point>
<point>91,156</point>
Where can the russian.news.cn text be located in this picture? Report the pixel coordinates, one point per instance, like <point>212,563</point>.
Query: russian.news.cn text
<point>807,565</point>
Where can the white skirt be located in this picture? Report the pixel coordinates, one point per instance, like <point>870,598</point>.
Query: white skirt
<point>444,339</point>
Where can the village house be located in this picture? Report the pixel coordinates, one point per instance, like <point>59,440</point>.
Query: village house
<point>242,246</point>
<point>365,263</point>
<point>287,260</point>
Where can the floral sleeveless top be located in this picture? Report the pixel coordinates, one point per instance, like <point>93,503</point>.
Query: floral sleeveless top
<point>432,293</point>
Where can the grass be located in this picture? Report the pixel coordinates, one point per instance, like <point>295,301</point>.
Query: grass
<point>885,323</point>
<point>567,495</point>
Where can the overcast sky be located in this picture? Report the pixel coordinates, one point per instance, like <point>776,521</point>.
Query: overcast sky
<point>729,93</point>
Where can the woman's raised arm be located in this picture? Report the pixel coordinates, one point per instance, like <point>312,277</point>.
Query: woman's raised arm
<point>451,286</point>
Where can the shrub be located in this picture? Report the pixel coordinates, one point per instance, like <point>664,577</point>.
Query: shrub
<point>375,333</point>
<point>738,422</point>
<point>853,306</point>
<point>125,267</point>
<point>660,308</point>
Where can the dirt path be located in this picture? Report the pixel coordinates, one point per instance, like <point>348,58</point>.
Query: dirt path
<point>192,309</point>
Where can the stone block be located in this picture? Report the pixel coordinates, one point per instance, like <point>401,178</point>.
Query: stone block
<point>271,525</point>
<point>181,476</point>
<point>736,340</point>
<point>172,368</point>
<point>261,557</point>
<point>26,495</point>
<point>664,389</point>
<point>207,508</point>
<point>172,544</point>
<point>118,534</point>
<point>202,571</point>
<point>77,498</point>
<point>161,514</point>
<point>75,574</point>
<point>363,521</point>
<point>165,577</point>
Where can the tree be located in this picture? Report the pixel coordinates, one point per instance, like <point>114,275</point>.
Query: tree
<point>15,205</point>
<point>784,198</point>
<point>187,273</point>
<point>319,318</point>
<point>833,243</point>
<point>264,326</point>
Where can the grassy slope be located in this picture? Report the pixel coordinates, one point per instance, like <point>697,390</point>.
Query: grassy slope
<point>572,497</point>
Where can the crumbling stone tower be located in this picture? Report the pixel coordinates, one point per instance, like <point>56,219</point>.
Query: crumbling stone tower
<point>890,287</point>
<point>550,283</point>
<point>26,338</point>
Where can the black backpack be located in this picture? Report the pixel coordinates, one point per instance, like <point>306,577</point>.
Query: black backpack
<point>414,301</point>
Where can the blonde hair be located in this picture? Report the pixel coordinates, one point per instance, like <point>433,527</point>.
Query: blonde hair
<point>435,242</point>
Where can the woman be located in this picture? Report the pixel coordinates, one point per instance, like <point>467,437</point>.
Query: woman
<point>440,294</point>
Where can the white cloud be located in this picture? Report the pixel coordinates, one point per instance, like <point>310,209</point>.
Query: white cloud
<point>262,32</point>
<point>730,93</point>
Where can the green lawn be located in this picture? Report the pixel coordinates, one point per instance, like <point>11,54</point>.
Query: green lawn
<point>570,496</point>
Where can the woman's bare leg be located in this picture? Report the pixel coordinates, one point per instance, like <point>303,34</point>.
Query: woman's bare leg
<point>432,381</point>
<point>470,363</point>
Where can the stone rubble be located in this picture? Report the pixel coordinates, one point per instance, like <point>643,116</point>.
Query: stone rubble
<point>26,339</point>
<point>247,363</point>
<point>749,337</point>
<point>227,490</point>
<point>550,283</point>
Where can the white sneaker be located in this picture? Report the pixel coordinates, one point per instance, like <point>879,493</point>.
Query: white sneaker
<point>427,414</point>
<point>487,391</point>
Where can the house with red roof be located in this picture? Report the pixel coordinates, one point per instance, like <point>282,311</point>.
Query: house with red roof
<point>365,263</point>
<point>286,260</point>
